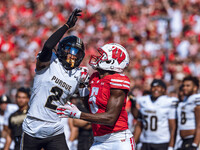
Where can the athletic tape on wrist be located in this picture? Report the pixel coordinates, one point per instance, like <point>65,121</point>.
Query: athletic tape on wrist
<point>83,92</point>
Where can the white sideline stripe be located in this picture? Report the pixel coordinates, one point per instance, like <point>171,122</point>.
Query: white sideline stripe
<point>116,84</point>
<point>116,80</point>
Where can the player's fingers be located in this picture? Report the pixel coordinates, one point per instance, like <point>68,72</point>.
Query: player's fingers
<point>60,113</point>
<point>61,109</point>
<point>77,10</point>
<point>78,14</point>
<point>61,106</point>
<point>74,13</point>
<point>66,106</point>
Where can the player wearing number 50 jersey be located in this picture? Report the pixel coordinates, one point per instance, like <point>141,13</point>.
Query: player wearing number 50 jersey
<point>189,114</point>
<point>57,78</point>
<point>157,119</point>
<point>106,100</point>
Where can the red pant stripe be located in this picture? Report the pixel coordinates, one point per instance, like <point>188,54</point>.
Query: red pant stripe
<point>132,143</point>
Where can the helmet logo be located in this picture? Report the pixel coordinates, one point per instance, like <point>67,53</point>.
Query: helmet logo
<point>118,54</point>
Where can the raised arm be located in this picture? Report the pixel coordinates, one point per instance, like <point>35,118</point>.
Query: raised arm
<point>44,57</point>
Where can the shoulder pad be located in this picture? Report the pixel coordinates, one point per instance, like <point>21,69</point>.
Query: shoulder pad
<point>119,81</point>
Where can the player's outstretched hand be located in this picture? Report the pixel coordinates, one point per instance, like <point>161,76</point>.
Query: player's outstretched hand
<point>73,17</point>
<point>68,110</point>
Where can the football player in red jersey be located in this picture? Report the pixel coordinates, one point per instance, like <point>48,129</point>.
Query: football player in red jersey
<point>106,100</point>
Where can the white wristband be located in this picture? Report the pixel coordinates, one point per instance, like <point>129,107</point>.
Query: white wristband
<point>83,92</point>
<point>170,148</point>
<point>194,144</point>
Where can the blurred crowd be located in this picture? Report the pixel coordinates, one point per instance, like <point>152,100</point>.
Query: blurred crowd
<point>161,36</point>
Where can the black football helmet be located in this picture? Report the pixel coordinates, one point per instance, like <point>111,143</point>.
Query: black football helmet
<point>70,52</point>
<point>4,99</point>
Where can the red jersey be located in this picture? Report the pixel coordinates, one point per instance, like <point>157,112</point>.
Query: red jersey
<point>99,96</point>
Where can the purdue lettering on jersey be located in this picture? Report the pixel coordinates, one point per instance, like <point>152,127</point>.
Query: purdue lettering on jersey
<point>61,83</point>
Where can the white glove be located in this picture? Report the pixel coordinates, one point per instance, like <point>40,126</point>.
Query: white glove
<point>84,75</point>
<point>68,110</point>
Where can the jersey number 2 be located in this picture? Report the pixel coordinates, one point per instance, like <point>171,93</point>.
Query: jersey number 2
<point>57,93</point>
<point>92,100</point>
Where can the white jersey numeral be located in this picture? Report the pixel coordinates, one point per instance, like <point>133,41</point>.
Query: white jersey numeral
<point>92,100</point>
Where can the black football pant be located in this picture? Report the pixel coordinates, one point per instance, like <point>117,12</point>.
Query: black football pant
<point>57,142</point>
<point>187,143</point>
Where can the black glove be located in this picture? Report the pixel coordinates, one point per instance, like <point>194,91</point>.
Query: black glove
<point>73,18</point>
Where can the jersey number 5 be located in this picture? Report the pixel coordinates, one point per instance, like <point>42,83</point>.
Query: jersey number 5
<point>57,93</point>
<point>92,100</point>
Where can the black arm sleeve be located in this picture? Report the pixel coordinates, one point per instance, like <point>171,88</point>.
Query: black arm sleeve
<point>46,53</point>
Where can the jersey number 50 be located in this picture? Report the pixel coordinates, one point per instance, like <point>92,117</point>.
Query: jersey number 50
<point>152,124</point>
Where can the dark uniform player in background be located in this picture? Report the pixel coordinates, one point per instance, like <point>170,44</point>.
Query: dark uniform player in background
<point>14,128</point>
